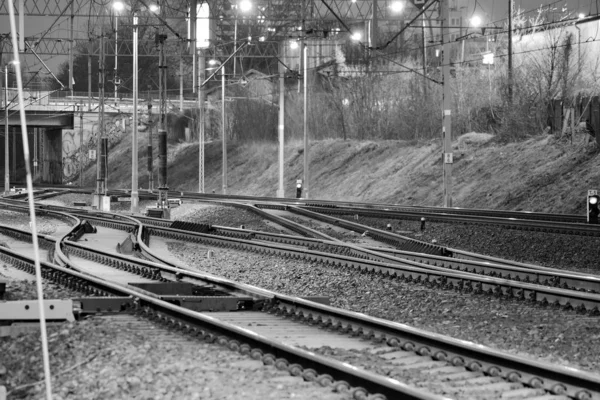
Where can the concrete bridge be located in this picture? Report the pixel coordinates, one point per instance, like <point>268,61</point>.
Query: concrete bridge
<point>62,131</point>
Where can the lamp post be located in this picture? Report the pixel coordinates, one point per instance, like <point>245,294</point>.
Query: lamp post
<point>134,131</point>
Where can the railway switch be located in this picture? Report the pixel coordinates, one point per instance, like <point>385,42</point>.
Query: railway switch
<point>593,206</point>
<point>299,188</point>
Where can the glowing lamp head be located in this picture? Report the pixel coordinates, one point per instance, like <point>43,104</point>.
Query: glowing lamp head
<point>245,5</point>
<point>153,7</point>
<point>356,36</point>
<point>397,6</point>
<point>476,20</point>
<point>593,200</point>
<point>118,6</point>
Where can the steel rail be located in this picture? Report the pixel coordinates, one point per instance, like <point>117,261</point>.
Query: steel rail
<point>557,380</point>
<point>204,326</point>
<point>408,270</point>
<point>501,269</point>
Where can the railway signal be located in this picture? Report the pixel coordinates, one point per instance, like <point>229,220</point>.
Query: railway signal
<point>299,188</point>
<point>593,206</point>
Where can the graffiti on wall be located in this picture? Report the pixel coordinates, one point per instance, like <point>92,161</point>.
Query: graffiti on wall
<point>75,152</point>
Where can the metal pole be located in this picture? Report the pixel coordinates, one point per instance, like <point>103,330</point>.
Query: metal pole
<point>281,128</point>
<point>90,77</point>
<point>447,104</point>
<point>6,141</point>
<point>14,158</point>
<point>181,80</point>
<point>424,56</point>
<point>510,60</point>
<point>223,129</point>
<point>201,94</point>
<point>21,25</point>
<point>116,55</point>
<point>80,146</point>
<point>235,42</point>
<point>306,149</point>
<point>99,185</point>
<point>35,151</point>
<point>71,45</point>
<point>150,160</point>
<point>134,132</point>
<point>32,216</point>
<point>374,24</point>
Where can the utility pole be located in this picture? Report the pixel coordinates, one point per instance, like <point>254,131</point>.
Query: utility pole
<point>447,103</point>
<point>80,109</point>
<point>423,32</point>
<point>223,130</point>
<point>201,116</point>
<point>99,147</point>
<point>6,163</point>
<point>374,23</point>
<point>135,198</point>
<point>181,77</point>
<point>90,49</point>
<point>306,148</point>
<point>150,160</point>
<point>163,190</point>
<point>14,157</point>
<point>71,45</point>
<point>510,60</point>
<point>36,132</point>
<point>304,63</point>
<point>281,129</point>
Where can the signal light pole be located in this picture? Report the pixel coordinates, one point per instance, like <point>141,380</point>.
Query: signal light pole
<point>593,207</point>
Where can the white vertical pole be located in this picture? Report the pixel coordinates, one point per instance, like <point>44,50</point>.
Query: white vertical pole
<point>447,104</point>
<point>223,129</point>
<point>71,46</point>
<point>21,25</point>
<point>116,54</point>
<point>134,132</point>
<point>36,253</point>
<point>281,129</point>
<point>6,134</point>
<point>306,158</point>
<point>201,94</point>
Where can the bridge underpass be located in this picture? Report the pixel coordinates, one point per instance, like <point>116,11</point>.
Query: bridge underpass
<point>45,137</point>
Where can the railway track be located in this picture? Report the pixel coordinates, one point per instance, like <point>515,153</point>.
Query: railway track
<point>442,364</point>
<point>536,284</point>
<point>558,223</point>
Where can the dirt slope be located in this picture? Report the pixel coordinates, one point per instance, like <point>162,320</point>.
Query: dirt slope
<point>540,174</point>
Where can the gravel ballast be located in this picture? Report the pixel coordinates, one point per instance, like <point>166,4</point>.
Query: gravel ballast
<point>545,334</point>
<point>117,358</point>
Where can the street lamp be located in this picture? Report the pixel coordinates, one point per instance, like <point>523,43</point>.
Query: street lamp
<point>223,133</point>
<point>119,6</point>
